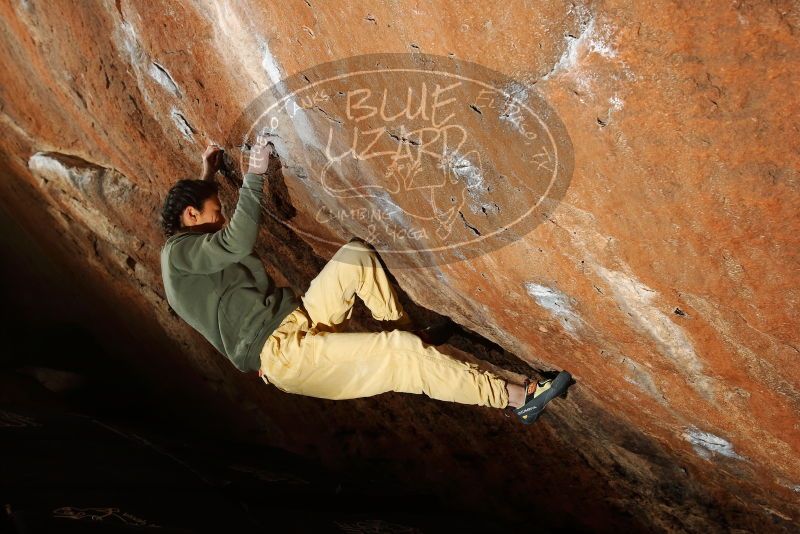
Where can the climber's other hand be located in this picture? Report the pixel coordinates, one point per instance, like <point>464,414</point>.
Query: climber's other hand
<point>258,159</point>
<point>212,161</point>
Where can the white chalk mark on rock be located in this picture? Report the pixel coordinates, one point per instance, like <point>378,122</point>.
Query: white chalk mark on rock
<point>302,126</point>
<point>590,39</point>
<point>556,303</point>
<point>706,445</point>
<point>182,124</point>
<point>163,78</point>
<point>635,299</point>
<point>569,59</point>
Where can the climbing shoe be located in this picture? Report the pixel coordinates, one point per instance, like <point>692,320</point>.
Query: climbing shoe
<point>546,390</point>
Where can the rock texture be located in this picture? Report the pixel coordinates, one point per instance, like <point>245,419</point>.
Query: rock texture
<point>665,279</point>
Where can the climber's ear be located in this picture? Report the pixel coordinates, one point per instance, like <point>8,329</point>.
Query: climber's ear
<point>190,216</point>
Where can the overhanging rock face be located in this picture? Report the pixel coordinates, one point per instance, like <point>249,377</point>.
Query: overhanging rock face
<point>662,271</point>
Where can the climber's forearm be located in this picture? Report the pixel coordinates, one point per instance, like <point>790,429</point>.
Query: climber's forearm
<point>207,174</point>
<point>203,253</point>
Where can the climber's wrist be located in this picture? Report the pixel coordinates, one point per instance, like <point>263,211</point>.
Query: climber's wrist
<point>207,174</point>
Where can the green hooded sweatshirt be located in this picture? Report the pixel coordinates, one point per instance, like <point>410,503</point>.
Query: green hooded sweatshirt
<point>217,285</point>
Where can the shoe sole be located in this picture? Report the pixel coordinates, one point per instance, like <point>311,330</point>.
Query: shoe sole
<point>530,412</point>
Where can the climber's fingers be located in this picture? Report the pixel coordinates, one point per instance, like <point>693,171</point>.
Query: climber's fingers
<point>258,159</point>
<point>212,150</point>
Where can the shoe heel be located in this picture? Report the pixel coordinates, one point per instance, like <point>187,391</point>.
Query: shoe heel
<point>566,391</point>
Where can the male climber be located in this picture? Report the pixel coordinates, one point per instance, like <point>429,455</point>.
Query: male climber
<point>218,286</point>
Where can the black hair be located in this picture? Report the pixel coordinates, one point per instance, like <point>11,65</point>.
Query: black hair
<point>183,194</point>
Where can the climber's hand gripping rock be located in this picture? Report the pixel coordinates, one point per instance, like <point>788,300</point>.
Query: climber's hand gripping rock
<point>258,158</point>
<point>212,161</point>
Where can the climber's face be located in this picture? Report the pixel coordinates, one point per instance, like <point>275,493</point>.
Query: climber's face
<point>208,219</point>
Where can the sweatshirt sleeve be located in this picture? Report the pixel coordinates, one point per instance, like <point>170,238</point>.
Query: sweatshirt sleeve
<point>211,252</point>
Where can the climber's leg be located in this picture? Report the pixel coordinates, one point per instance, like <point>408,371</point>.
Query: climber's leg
<point>353,270</point>
<point>300,358</point>
<point>352,365</point>
<point>517,394</point>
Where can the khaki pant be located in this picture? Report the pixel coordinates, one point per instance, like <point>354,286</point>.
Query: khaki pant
<point>306,354</point>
